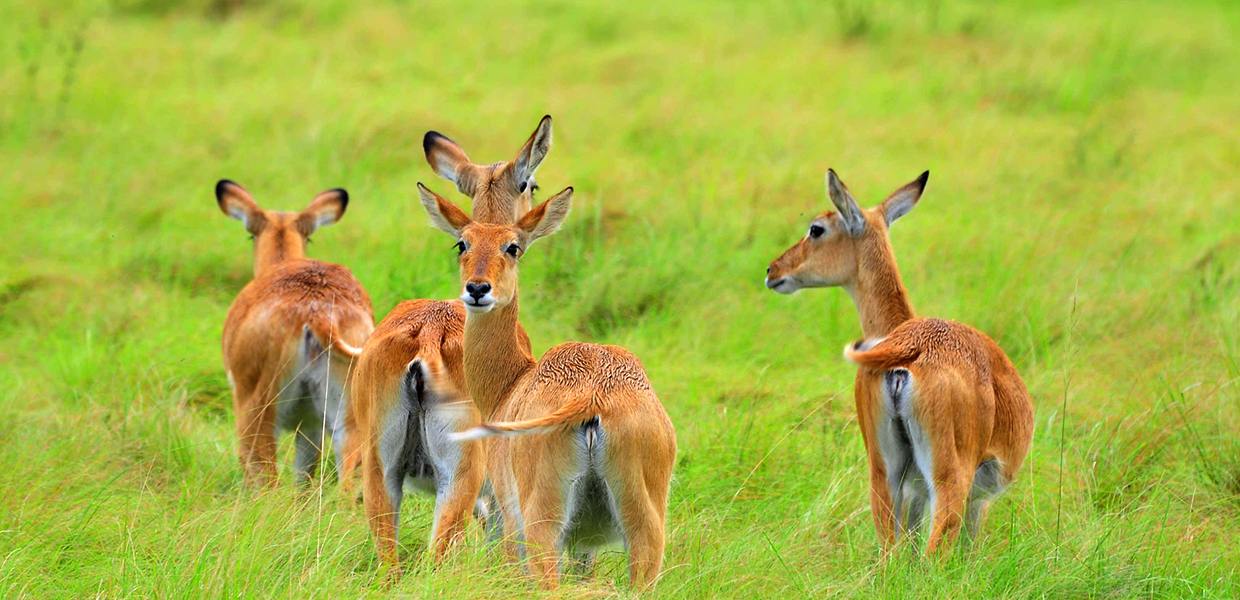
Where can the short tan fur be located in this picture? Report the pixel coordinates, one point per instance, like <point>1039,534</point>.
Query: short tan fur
<point>945,417</point>
<point>412,366</point>
<point>599,469</point>
<point>290,335</point>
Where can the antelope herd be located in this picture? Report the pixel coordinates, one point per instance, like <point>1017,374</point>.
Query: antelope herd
<point>563,454</point>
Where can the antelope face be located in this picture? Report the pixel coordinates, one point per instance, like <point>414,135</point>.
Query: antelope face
<point>489,253</point>
<point>833,250</point>
<point>826,256</point>
<point>488,257</point>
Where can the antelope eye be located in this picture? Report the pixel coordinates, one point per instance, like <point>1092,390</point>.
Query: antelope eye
<point>816,231</point>
<point>521,187</point>
<point>460,247</point>
<point>512,250</point>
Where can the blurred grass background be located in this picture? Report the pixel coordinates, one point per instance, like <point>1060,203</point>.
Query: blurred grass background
<point>1082,210</point>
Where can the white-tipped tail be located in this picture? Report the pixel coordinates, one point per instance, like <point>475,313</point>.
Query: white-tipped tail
<point>488,430</point>
<point>348,351</point>
<point>469,435</point>
<point>851,350</point>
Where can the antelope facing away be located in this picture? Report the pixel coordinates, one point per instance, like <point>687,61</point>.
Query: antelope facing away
<point>412,364</point>
<point>599,469</point>
<point>944,415</point>
<point>291,335</point>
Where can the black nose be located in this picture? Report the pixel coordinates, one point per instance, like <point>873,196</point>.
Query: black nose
<point>477,290</point>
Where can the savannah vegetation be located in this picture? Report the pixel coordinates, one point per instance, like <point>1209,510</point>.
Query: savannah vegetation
<point>1082,210</point>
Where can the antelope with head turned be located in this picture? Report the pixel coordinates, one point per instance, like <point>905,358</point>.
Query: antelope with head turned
<point>412,364</point>
<point>291,335</point>
<point>599,468</point>
<point>945,417</point>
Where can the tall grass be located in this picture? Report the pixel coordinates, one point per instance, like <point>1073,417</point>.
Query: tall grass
<point>1081,211</point>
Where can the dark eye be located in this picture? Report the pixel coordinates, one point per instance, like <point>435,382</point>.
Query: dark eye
<point>816,231</point>
<point>460,247</point>
<point>512,250</point>
<point>521,187</point>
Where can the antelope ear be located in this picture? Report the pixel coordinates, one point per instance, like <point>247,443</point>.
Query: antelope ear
<point>902,201</point>
<point>850,212</point>
<point>236,202</point>
<point>326,208</point>
<point>448,160</point>
<point>532,154</point>
<point>444,215</point>
<point>546,218</point>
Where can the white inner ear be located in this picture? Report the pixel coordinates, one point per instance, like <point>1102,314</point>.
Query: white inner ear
<point>238,214</point>
<point>899,206</point>
<point>326,217</point>
<point>552,220</point>
<point>445,171</point>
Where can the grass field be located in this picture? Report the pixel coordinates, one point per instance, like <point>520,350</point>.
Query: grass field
<point>1083,210</point>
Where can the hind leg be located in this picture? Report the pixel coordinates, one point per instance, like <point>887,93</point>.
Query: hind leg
<point>988,483</point>
<point>898,461</point>
<point>383,485</point>
<point>256,431</point>
<point>453,504</point>
<point>456,495</point>
<point>641,518</point>
<point>917,495</point>
<point>543,529</point>
<point>951,487</point>
<point>975,516</point>
<point>638,497</point>
<point>308,452</point>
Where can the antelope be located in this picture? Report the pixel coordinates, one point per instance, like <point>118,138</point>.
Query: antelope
<point>411,366</point>
<point>291,334</point>
<point>945,417</point>
<point>600,469</point>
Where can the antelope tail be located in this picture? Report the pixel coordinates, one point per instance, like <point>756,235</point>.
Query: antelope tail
<point>577,410</point>
<point>873,355</point>
<point>328,339</point>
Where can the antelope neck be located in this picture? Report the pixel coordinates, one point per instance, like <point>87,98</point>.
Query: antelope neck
<point>879,295</point>
<point>275,248</point>
<point>493,356</point>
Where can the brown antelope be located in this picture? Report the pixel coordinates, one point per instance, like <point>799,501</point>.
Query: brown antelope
<point>944,415</point>
<point>412,364</point>
<point>600,469</point>
<point>291,334</point>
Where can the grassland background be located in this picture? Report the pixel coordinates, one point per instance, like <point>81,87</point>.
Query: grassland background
<point>1083,210</point>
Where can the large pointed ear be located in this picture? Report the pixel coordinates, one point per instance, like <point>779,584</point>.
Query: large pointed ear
<point>325,209</point>
<point>532,155</point>
<point>546,218</point>
<point>850,212</point>
<point>444,215</point>
<point>447,159</point>
<point>237,203</point>
<point>902,201</point>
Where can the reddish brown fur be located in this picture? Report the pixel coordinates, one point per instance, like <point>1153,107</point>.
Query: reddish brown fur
<point>432,331</point>
<point>968,397</point>
<point>265,325</point>
<point>571,383</point>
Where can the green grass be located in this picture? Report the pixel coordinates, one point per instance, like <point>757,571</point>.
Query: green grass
<point>1082,210</point>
